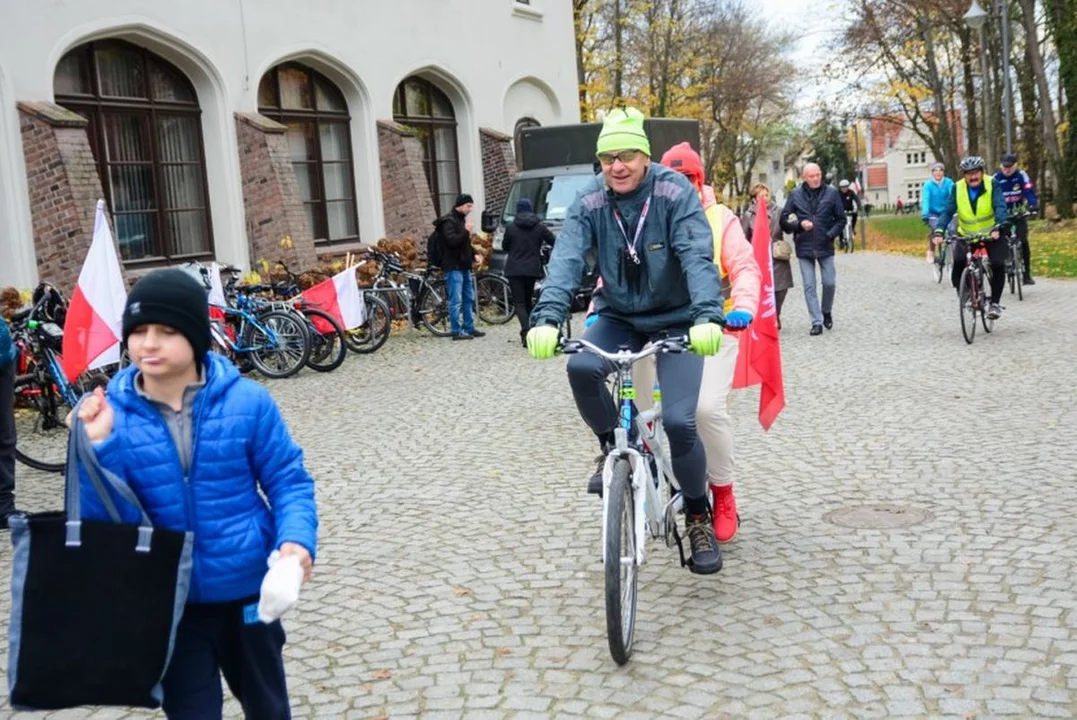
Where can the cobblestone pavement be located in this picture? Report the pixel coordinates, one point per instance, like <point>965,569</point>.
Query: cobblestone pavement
<point>459,568</point>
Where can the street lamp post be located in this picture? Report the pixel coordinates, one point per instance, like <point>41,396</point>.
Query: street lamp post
<point>976,18</point>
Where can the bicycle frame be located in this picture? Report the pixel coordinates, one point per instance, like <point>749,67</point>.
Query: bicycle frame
<point>647,490</point>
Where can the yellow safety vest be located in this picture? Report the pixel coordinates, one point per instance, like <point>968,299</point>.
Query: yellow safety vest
<point>719,216</point>
<point>974,220</point>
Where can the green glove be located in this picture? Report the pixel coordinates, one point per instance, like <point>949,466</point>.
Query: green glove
<point>542,341</point>
<point>706,338</point>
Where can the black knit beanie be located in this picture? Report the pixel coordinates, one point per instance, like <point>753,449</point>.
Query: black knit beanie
<point>172,298</point>
<point>462,199</point>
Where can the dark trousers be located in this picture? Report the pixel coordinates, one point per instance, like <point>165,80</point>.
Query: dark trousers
<point>7,439</point>
<point>229,639</point>
<point>779,299</point>
<point>523,290</point>
<point>678,374</point>
<point>996,256</point>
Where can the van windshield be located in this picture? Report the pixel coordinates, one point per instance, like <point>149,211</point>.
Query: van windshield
<point>550,196</point>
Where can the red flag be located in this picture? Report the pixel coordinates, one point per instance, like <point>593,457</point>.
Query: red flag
<point>94,321</point>
<point>759,358</point>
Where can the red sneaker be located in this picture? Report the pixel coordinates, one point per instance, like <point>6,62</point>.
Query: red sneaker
<point>726,520</point>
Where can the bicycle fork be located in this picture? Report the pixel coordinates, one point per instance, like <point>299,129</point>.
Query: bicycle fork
<point>644,495</point>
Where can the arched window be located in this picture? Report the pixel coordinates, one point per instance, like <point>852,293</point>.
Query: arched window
<point>427,110</point>
<point>518,135</point>
<point>319,139</point>
<point>146,135</point>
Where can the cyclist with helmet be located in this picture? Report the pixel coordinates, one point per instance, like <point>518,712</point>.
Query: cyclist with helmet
<point>1017,189</point>
<point>655,253</point>
<point>979,206</point>
<point>850,202</point>
<point>933,198</point>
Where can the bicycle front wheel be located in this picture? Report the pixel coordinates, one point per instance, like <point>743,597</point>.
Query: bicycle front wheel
<point>967,304</point>
<point>1019,271</point>
<point>279,344</point>
<point>494,297</point>
<point>327,346</point>
<point>621,569</point>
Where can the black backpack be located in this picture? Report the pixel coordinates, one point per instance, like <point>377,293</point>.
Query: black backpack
<point>433,248</point>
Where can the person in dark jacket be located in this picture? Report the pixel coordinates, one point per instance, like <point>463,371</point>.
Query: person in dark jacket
<point>207,451</point>
<point>1018,191</point>
<point>525,240</point>
<point>8,354</point>
<point>457,261</point>
<point>815,215</point>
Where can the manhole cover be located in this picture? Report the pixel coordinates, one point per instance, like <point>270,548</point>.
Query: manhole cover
<point>878,517</point>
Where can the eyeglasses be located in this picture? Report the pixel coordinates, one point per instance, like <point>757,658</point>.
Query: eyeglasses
<point>625,156</point>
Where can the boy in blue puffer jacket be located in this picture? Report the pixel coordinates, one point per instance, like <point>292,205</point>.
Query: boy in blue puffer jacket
<point>196,443</point>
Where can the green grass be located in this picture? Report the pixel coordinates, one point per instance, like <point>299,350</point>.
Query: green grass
<point>1054,245</point>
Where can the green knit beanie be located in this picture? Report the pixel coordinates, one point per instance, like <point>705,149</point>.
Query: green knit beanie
<point>623,130</point>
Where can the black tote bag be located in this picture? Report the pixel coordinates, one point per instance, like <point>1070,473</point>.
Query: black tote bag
<point>94,605</point>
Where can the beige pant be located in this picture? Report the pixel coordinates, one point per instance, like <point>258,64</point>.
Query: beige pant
<point>713,421</point>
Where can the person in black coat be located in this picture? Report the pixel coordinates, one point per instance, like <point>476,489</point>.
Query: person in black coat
<point>524,241</point>
<point>815,215</point>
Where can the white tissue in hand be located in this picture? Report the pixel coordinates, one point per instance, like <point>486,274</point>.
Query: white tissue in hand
<point>280,587</point>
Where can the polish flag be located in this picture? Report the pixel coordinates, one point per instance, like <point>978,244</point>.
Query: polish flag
<point>216,293</point>
<point>94,322</point>
<point>759,356</point>
<point>340,297</point>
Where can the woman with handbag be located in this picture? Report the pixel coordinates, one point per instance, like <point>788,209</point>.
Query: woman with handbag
<point>781,250</point>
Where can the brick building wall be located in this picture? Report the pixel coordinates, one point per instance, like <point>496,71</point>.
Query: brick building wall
<point>498,166</point>
<point>272,202</point>
<point>64,188</point>
<point>409,209</point>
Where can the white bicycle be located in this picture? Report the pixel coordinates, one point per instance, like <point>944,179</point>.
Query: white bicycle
<point>640,495</point>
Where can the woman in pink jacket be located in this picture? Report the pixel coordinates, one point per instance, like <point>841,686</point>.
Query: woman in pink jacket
<point>741,281</point>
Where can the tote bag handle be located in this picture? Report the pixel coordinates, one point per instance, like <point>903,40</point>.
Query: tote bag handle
<point>80,453</point>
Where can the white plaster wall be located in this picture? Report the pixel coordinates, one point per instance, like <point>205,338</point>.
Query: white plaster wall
<point>477,51</point>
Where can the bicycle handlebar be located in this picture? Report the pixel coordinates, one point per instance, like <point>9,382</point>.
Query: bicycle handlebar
<point>678,344</point>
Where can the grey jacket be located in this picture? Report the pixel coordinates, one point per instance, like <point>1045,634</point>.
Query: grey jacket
<point>679,285</point>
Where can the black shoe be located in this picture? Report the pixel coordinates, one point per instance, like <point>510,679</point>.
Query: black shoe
<point>778,320</point>
<point>594,483</point>
<point>5,514</point>
<point>461,336</point>
<point>1027,280</point>
<point>477,333</point>
<point>828,320</point>
<point>523,340</point>
<point>816,330</point>
<point>706,555</point>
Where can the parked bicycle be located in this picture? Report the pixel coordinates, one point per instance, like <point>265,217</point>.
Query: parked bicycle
<point>43,393</point>
<point>274,341</point>
<point>422,298</point>
<point>974,287</point>
<point>640,496</point>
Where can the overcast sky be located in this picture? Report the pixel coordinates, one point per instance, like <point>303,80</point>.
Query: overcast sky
<point>814,23</point>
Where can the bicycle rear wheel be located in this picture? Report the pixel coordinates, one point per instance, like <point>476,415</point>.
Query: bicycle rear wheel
<point>621,569</point>
<point>434,307</point>
<point>41,436</point>
<point>327,346</point>
<point>494,297</point>
<point>280,342</point>
<point>967,304</point>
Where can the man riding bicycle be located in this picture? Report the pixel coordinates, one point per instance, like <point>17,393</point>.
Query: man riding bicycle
<point>978,203</point>
<point>655,253</point>
<point>1017,190</point>
<point>933,199</point>
<point>851,203</point>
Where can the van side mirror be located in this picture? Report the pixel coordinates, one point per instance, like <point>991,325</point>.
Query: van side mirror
<point>490,219</point>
